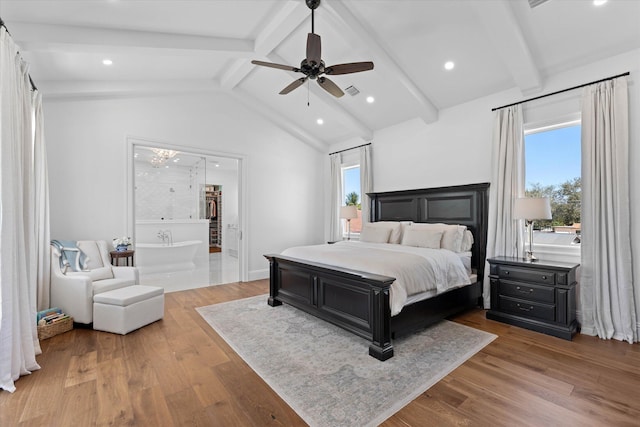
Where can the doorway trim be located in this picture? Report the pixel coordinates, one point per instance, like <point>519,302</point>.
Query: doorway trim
<point>134,141</point>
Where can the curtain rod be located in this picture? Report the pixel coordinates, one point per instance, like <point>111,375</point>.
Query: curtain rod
<point>33,85</point>
<point>561,91</point>
<point>352,148</point>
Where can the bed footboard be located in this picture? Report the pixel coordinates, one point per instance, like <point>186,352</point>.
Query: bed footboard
<point>353,300</point>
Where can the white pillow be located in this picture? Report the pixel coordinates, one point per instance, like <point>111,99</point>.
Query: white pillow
<point>467,241</point>
<point>422,238</point>
<point>395,228</point>
<point>452,237</point>
<point>374,234</point>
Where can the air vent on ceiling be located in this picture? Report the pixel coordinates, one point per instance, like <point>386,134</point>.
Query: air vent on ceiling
<point>352,90</point>
<point>536,3</point>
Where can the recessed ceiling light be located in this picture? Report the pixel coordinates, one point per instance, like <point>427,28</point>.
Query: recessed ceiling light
<point>320,121</point>
<point>449,65</point>
<point>599,2</point>
<point>176,160</point>
<point>217,165</point>
<point>370,99</point>
<point>107,61</point>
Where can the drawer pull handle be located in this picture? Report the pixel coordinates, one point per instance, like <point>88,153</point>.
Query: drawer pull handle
<point>525,308</point>
<point>544,277</point>
<point>506,273</point>
<point>524,291</point>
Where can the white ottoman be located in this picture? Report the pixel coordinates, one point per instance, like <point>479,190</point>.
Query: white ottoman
<point>122,310</point>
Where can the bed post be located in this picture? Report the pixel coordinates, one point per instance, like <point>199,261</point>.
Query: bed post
<point>380,346</point>
<point>273,285</point>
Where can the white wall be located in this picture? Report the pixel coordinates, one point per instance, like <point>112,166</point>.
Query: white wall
<point>87,159</point>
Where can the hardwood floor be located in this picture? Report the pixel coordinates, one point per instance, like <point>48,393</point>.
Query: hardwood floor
<point>179,372</point>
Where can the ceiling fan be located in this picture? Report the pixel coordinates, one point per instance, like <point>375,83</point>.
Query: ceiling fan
<point>313,66</point>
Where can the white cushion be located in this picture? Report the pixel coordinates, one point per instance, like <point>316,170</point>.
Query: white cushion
<point>467,241</point>
<point>374,234</point>
<point>422,238</point>
<point>91,250</point>
<point>395,236</point>
<point>128,295</point>
<point>452,237</point>
<point>110,284</point>
<point>100,273</point>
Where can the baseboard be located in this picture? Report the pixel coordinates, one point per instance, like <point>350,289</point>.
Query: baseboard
<point>259,274</point>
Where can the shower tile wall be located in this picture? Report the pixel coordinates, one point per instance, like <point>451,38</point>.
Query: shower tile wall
<point>166,193</point>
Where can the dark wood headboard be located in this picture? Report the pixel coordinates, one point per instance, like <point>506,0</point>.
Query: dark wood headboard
<point>460,204</point>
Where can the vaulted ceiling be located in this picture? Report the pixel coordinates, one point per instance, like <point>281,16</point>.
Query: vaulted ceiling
<point>178,46</point>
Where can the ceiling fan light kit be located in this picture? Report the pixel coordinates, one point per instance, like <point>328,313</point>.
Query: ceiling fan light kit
<point>313,66</point>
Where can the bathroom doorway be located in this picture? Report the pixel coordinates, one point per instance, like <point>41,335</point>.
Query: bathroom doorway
<point>183,237</point>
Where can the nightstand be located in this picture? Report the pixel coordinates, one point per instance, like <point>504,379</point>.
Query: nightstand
<point>539,295</point>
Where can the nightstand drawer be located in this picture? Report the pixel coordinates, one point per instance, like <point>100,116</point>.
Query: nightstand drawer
<point>527,308</point>
<point>527,291</point>
<point>527,275</point>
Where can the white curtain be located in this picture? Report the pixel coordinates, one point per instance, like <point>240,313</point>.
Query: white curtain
<point>507,183</point>
<point>41,223</point>
<point>18,334</point>
<point>335,229</point>
<point>606,284</point>
<point>366,181</point>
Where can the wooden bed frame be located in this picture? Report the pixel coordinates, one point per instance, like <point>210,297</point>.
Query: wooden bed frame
<point>358,301</point>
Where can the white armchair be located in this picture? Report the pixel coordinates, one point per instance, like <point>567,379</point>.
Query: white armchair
<point>73,291</point>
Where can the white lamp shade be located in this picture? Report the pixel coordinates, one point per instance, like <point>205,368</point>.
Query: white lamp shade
<point>532,208</point>
<point>348,212</point>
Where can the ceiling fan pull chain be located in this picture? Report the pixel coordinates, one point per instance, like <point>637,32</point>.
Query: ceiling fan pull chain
<point>308,90</point>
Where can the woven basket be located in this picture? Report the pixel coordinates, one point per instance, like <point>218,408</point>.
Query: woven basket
<point>53,329</point>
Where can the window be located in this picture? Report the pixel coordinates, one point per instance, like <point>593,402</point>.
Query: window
<point>351,196</point>
<point>553,169</point>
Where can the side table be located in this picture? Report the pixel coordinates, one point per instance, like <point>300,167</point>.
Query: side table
<point>538,295</point>
<point>116,255</point>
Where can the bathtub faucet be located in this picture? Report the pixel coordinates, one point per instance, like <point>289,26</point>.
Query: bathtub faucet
<point>166,237</point>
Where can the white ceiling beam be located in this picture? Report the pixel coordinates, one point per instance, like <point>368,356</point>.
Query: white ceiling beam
<point>288,18</point>
<point>81,89</point>
<point>279,120</point>
<point>506,36</point>
<point>344,19</point>
<point>55,37</point>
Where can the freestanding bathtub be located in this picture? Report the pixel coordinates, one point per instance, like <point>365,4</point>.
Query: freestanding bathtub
<point>160,257</point>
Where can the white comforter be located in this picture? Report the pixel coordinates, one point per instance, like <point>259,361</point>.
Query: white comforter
<point>416,269</point>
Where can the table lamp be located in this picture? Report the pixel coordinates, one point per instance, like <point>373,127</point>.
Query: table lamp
<point>349,212</point>
<point>530,209</point>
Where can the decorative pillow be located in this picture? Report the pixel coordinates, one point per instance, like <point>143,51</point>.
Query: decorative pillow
<point>395,235</point>
<point>452,234</point>
<point>467,241</point>
<point>374,234</point>
<point>422,238</point>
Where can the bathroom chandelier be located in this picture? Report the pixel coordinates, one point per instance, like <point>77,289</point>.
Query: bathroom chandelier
<point>161,156</point>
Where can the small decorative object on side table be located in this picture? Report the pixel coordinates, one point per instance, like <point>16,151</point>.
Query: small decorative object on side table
<point>538,295</point>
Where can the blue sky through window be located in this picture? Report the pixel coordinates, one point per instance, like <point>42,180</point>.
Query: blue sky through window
<point>552,157</point>
<point>352,181</point>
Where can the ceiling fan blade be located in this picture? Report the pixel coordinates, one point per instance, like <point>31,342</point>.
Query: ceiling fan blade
<point>330,87</point>
<point>279,66</point>
<point>313,48</point>
<point>296,83</point>
<point>352,67</point>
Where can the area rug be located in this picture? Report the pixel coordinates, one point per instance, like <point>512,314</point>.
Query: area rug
<point>325,373</point>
